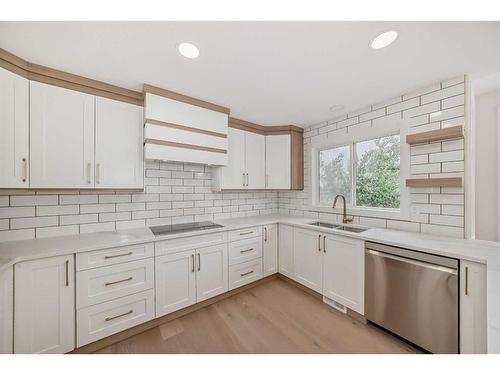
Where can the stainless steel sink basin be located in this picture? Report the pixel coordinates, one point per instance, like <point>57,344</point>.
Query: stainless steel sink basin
<point>338,227</point>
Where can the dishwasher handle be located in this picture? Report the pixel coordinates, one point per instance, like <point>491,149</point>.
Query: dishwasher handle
<point>413,261</point>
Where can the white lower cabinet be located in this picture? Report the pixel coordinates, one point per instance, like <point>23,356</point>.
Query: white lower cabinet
<point>285,256</point>
<point>211,273</point>
<point>344,271</point>
<point>191,276</point>
<point>175,282</point>
<point>6,310</point>
<point>245,250</point>
<point>44,313</point>
<point>104,319</point>
<point>308,258</point>
<point>245,273</point>
<point>270,249</point>
<point>473,338</point>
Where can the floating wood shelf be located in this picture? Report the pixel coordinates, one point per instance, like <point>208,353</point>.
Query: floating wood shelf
<point>434,182</point>
<point>436,135</point>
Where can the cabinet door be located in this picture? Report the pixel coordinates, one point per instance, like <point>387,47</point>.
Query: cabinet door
<point>472,308</point>
<point>211,272</point>
<point>285,255</point>
<point>119,160</point>
<point>255,160</point>
<point>308,258</point>
<point>14,126</point>
<point>344,271</point>
<point>61,137</point>
<point>270,249</point>
<point>278,162</point>
<point>44,300</point>
<point>175,282</point>
<point>233,174</point>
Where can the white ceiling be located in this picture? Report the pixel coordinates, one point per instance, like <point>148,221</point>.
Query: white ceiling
<point>270,73</point>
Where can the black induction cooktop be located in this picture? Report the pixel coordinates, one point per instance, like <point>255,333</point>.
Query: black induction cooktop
<point>185,227</point>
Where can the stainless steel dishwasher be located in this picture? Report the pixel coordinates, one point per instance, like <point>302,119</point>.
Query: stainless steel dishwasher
<point>414,295</point>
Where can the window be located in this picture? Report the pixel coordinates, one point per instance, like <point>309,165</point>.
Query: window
<point>367,173</point>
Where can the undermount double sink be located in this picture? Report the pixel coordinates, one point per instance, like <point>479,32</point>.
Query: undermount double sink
<point>338,227</point>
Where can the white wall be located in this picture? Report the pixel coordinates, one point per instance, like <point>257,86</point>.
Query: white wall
<point>487,151</point>
<point>433,210</point>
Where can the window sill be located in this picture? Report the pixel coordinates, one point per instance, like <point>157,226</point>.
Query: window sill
<point>380,213</point>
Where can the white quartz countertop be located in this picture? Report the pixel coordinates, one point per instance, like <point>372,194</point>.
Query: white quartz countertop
<point>485,252</point>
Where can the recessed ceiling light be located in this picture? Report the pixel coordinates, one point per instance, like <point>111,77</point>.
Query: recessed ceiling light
<point>336,107</point>
<point>189,50</point>
<point>384,39</point>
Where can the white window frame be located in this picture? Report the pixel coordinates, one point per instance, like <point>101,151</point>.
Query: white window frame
<point>356,134</point>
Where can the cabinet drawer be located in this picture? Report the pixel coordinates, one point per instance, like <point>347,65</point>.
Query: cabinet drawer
<point>245,273</point>
<point>191,242</point>
<point>115,255</point>
<point>106,283</point>
<point>241,234</point>
<point>245,250</point>
<point>105,319</point>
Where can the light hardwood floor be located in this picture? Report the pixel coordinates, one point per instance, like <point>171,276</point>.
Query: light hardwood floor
<point>275,317</point>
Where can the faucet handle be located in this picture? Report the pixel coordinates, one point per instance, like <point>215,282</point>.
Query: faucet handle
<point>348,219</point>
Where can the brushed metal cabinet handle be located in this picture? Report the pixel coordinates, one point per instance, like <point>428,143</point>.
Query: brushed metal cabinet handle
<point>324,244</point>
<point>246,251</point>
<point>199,262</point>
<point>98,173</point>
<point>246,273</point>
<point>466,281</point>
<point>117,256</point>
<point>88,172</point>
<point>118,316</point>
<point>248,179</point>
<point>25,169</point>
<point>67,272</point>
<point>319,243</point>
<point>244,180</point>
<point>118,281</point>
<point>265,234</point>
<point>192,259</point>
<point>245,233</point>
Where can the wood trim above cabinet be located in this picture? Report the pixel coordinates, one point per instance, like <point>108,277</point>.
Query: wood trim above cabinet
<point>297,160</point>
<point>184,98</point>
<point>183,145</point>
<point>40,73</point>
<point>263,130</point>
<point>183,127</point>
<point>436,135</point>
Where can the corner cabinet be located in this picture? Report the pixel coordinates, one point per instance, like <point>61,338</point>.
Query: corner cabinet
<point>270,249</point>
<point>285,245</point>
<point>44,300</point>
<point>14,130</point>
<point>262,158</point>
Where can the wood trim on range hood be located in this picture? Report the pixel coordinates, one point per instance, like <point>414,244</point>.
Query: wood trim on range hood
<point>184,98</point>
<point>65,80</point>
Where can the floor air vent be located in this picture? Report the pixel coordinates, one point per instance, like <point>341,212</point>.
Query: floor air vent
<point>335,304</point>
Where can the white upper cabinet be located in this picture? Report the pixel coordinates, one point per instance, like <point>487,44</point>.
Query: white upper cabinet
<point>278,167</point>
<point>61,137</point>
<point>255,160</point>
<point>246,162</point>
<point>184,130</point>
<point>233,175</point>
<point>119,161</point>
<point>14,130</point>
<point>44,305</point>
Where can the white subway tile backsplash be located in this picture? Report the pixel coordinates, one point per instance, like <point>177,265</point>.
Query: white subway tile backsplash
<point>33,222</point>
<point>425,168</point>
<point>98,227</point>
<point>15,235</point>
<point>444,93</point>
<point>57,210</point>
<point>446,156</point>
<point>4,224</point>
<point>9,212</point>
<point>453,81</point>
<point>96,208</point>
<point>114,216</point>
<point>78,199</point>
<point>115,198</point>
<point>453,221</point>
<point>33,200</point>
<point>4,201</point>
<point>420,92</point>
<point>78,219</point>
<point>403,105</point>
<point>65,230</point>
<point>447,198</point>
<point>441,230</point>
